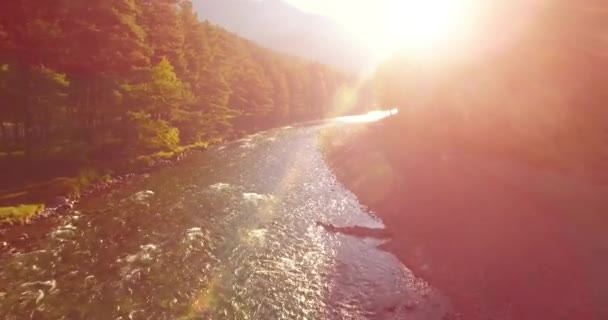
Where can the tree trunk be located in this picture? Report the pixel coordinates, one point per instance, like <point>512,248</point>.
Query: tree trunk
<point>17,135</point>
<point>3,133</point>
<point>27,137</point>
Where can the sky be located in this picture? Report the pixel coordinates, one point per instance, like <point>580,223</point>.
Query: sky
<point>360,17</point>
<point>342,11</point>
<point>389,25</point>
<point>327,7</point>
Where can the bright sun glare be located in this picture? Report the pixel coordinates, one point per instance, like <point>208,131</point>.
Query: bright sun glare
<point>418,26</point>
<point>422,24</point>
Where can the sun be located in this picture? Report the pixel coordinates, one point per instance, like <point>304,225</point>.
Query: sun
<point>417,26</point>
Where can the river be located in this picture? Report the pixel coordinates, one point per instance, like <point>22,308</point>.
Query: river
<point>230,233</point>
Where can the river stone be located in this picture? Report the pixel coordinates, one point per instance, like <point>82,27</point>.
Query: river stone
<point>58,202</point>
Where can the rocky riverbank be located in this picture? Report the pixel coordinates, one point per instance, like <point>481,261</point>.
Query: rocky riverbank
<point>503,241</point>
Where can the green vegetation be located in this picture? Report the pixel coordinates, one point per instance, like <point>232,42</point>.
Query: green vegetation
<point>51,188</point>
<point>103,84</point>
<point>129,77</point>
<point>40,191</point>
<point>20,214</point>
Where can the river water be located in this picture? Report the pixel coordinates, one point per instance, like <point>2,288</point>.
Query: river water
<point>230,233</point>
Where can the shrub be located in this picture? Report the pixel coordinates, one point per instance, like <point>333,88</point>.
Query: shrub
<point>88,176</point>
<point>153,135</point>
<point>20,214</point>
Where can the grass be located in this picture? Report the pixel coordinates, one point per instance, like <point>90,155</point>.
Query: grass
<point>17,200</point>
<point>40,191</point>
<point>49,189</point>
<point>148,161</point>
<point>20,214</point>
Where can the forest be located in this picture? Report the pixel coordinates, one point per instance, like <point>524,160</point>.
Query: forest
<point>92,83</point>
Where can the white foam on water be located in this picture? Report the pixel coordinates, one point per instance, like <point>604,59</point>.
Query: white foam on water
<point>50,284</point>
<point>40,296</point>
<point>253,136</point>
<point>194,230</point>
<point>220,186</point>
<point>257,236</point>
<point>258,233</point>
<point>142,196</point>
<point>247,145</point>
<point>144,255</point>
<point>256,198</point>
<point>149,247</point>
<point>194,233</point>
<point>140,256</point>
<point>69,226</point>
<point>62,233</point>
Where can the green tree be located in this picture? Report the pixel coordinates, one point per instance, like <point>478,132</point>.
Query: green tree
<point>165,33</point>
<point>164,94</point>
<point>151,134</point>
<point>101,80</point>
<point>251,95</point>
<point>40,94</point>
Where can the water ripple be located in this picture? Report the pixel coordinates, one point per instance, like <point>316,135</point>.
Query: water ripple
<point>228,234</point>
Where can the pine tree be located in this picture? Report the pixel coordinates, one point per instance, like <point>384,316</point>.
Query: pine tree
<point>165,32</point>
<point>107,79</point>
<point>164,94</point>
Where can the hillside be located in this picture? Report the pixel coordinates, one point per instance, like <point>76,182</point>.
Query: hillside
<point>280,26</point>
<point>102,85</point>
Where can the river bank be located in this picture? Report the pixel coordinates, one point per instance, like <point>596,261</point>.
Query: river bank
<point>502,240</point>
<point>240,223</point>
<point>25,203</point>
<point>30,228</point>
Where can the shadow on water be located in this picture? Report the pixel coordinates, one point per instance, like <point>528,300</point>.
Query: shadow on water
<point>228,234</point>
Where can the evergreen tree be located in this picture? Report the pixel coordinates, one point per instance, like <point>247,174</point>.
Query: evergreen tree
<point>109,79</point>
<point>165,33</point>
<point>164,94</point>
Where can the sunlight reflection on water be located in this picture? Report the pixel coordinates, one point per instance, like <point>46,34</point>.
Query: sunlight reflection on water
<point>220,237</point>
<point>371,116</point>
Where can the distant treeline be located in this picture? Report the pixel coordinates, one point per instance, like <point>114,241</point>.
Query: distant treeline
<point>91,80</point>
<point>538,92</point>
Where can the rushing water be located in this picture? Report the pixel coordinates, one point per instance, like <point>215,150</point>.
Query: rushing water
<point>229,234</point>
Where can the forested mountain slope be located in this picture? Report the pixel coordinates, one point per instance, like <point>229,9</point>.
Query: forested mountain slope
<point>84,81</point>
<point>278,25</point>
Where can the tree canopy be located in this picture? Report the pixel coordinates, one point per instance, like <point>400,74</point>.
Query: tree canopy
<point>93,79</point>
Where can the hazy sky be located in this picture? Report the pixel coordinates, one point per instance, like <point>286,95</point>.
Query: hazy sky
<point>341,10</point>
<point>318,6</point>
<point>388,25</point>
<point>358,16</point>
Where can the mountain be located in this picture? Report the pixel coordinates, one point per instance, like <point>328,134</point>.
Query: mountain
<point>279,26</point>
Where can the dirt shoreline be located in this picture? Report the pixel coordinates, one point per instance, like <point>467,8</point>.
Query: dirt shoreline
<point>486,233</point>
